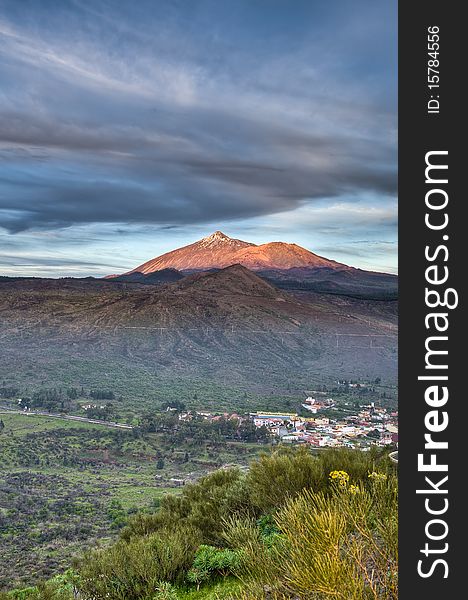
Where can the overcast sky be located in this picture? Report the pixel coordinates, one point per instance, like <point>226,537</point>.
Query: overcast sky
<point>129,128</point>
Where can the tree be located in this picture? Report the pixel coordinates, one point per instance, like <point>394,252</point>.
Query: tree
<point>8,392</point>
<point>102,394</point>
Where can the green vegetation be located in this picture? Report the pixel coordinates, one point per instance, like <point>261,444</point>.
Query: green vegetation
<point>64,485</point>
<point>131,399</point>
<point>67,486</point>
<point>292,526</point>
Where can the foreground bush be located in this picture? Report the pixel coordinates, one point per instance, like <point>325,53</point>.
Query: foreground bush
<point>341,545</point>
<point>211,562</point>
<point>201,506</point>
<point>275,478</point>
<point>134,570</point>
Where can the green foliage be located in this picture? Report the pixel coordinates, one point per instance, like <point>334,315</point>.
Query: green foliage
<point>211,562</point>
<point>285,473</point>
<point>50,590</point>
<point>117,514</point>
<point>201,506</point>
<point>134,570</point>
<point>267,526</point>
<point>60,477</point>
<point>357,464</point>
<point>9,392</point>
<point>340,544</point>
<point>142,524</point>
<point>239,532</point>
<point>294,526</point>
<point>102,394</point>
<point>226,588</point>
<point>61,587</point>
<point>165,591</point>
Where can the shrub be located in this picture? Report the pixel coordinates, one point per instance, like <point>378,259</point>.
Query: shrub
<point>275,478</point>
<point>354,462</point>
<point>165,591</point>
<point>201,506</point>
<point>238,532</point>
<point>133,570</point>
<point>343,545</point>
<point>339,543</point>
<point>211,562</point>
<point>142,524</point>
<point>61,587</point>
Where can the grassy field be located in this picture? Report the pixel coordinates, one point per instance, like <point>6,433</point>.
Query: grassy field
<point>67,486</point>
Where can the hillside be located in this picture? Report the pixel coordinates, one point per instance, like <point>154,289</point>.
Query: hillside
<point>330,528</point>
<point>230,329</point>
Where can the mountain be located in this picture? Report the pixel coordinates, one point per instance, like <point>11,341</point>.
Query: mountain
<point>287,266</point>
<point>219,250</point>
<point>229,327</point>
<point>234,279</point>
<point>215,251</point>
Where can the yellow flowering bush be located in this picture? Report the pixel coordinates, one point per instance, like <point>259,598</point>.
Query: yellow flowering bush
<point>340,477</point>
<point>353,489</point>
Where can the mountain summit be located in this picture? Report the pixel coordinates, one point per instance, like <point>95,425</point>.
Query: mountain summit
<point>220,239</point>
<point>218,250</point>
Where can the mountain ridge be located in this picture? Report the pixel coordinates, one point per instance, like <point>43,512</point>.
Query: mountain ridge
<point>285,265</point>
<point>218,251</point>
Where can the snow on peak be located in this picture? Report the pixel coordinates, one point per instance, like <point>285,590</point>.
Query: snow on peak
<point>218,238</point>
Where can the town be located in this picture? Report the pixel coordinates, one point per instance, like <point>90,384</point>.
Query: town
<point>361,427</point>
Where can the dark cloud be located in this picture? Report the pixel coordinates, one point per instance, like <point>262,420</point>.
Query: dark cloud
<point>192,175</point>
<point>171,117</point>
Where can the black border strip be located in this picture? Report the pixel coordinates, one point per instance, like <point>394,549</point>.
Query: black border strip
<point>421,132</point>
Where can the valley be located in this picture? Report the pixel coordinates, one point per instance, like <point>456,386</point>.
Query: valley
<point>67,486</point>
<point>115,392</point>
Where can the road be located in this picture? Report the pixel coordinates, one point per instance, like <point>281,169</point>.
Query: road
<point>6,410</point>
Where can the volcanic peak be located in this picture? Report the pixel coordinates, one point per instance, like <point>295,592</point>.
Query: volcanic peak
<point>218,250</point>
<point>218,238</point>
